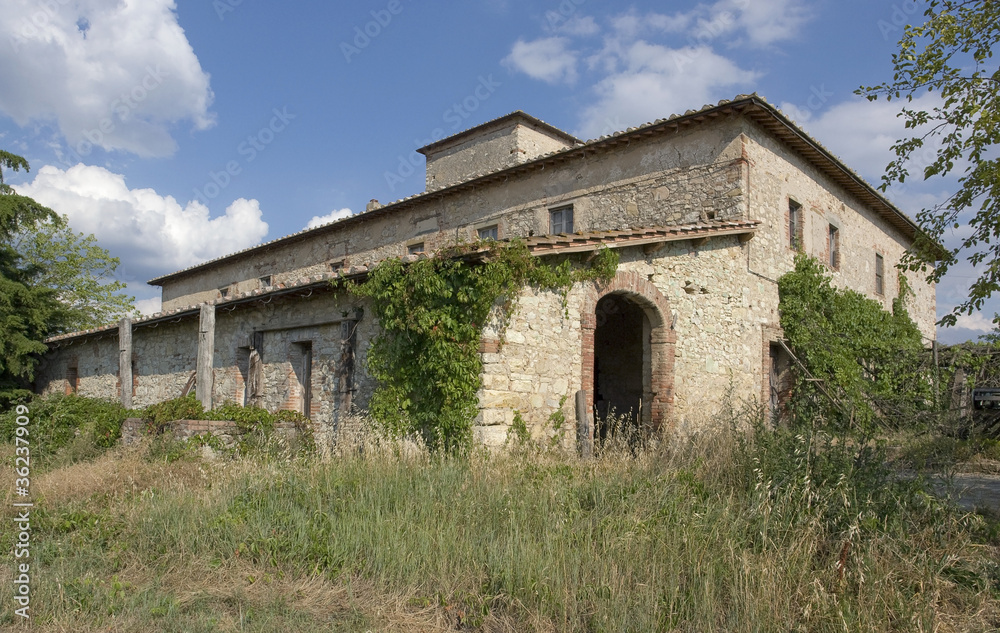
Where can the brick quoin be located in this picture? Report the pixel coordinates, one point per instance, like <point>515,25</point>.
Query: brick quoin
<point>642,292</point>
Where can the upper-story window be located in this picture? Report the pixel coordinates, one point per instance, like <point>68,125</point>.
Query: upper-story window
<point>224,292</point>
<point>414,249</point>
<point>561,220</point>
<point>879,274</point>
<point>265,281</point>
<point>489,233</point>
<point>794,224</point>
<point>833,239</point>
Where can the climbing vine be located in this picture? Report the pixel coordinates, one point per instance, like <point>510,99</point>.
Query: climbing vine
<point>868,359</point>
<point>432,313</point>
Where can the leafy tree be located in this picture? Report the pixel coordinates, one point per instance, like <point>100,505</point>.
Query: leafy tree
<point>951,54</point>
<point>50,282</point>
<point>78,270</point>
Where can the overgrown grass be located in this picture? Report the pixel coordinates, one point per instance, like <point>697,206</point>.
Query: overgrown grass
<point>738,531</point>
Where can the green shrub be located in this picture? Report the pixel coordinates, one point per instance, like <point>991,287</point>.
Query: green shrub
<point>868,358</point>
<point>158,415</point>
<point>57,419</point>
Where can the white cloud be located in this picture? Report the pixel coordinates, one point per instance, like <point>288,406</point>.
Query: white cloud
<point>768,21</point>
<point>333,216</point>
<point>858,131</point>
<point>573,25</point>
<point>149,306</point>
<point>547,59</point>
<point>655,81</point>
<point>152,234</point>
<point>112,74</point>
<point>650,65</point>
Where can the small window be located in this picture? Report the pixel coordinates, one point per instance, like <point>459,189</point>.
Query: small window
<point>834,246</point>
<point>879,274</point>
<point>337,266</point>
<point>414,249</point>
<point>224,292</point>
<point>265,281</point>
<point>561,220</point>
<point>488,233</point>
<point>794,224</point>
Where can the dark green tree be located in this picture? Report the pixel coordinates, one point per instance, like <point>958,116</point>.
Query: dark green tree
<point>951,55</point>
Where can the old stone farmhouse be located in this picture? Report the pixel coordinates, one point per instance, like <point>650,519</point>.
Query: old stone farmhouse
<point>706,210</point>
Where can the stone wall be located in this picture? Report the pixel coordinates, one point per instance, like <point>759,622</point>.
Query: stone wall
<point>95,361</point>
<point>683,177</point>
<point>778,176</point>
<point>164,359</point>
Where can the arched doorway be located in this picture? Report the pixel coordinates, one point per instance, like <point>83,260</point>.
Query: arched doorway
<point>622,369</point>
<point>630,365</point>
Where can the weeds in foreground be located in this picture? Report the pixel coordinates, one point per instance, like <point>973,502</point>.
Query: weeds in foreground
<point>740,530</point>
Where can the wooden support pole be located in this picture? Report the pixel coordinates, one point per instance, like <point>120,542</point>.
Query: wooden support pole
<point>205,382</point>
<point>125,361</point>
<point>584,426</point>
<point>345,369</point>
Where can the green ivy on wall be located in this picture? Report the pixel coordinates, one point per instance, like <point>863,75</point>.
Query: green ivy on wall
<point>868,358</point>
<point>432,313</point>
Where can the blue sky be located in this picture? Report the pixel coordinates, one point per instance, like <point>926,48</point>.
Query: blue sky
<point>178,132</point>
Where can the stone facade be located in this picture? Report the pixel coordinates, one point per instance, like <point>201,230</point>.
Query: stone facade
<point>706,211</point>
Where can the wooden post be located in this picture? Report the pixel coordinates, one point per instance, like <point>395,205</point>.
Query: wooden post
<point>205,382</point>
<point>584,438</point>
<point>125,361</point>
<point>345,369</point>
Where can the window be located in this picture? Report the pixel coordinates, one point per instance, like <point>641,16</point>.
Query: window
<point>879,274</point>
<point>488,233</point>
<point>265,281</point>
<point>337,266</point>
<point>834,247</point>
<point>224,292</point>
<point>794,224</point>
<point>561,220</point>
<point>413,249</point>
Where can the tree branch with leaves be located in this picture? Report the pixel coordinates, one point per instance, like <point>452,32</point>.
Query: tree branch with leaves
<point>951,55</point>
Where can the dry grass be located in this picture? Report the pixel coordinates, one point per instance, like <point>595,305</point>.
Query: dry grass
<point>385,537</point>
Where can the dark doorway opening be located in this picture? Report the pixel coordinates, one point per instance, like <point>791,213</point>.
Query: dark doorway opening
<point>779,381</point>
<point>622,394</point>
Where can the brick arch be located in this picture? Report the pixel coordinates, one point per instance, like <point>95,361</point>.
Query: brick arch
<point>648,297</point>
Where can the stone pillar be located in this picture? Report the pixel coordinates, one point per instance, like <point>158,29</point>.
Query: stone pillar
<point>206,356</point>
<point>125,361</point>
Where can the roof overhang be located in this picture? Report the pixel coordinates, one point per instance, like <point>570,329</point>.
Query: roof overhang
<point>539,246</point>
<point>753,107</point>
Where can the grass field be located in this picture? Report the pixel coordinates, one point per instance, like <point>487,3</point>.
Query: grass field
<point>733,532</point>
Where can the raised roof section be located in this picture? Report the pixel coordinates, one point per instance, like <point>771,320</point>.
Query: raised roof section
<point>505,142</point>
